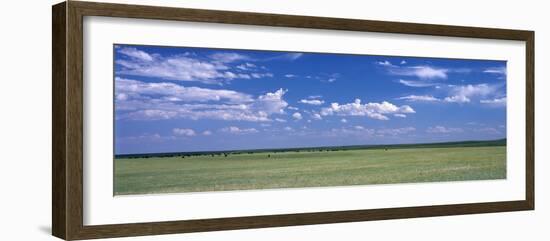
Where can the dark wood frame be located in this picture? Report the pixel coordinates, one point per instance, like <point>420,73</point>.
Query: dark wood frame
<point>67,123</point>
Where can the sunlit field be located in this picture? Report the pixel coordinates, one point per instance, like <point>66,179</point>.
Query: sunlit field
<point>311,167</point>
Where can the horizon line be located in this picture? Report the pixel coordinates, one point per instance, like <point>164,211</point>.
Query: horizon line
<point>304,147</point>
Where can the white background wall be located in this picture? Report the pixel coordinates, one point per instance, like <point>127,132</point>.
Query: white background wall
<point>25,120</point>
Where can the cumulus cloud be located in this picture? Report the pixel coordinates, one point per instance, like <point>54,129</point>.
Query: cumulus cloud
<point>271,103</point>
<point>183,132</point>
<point>377,111</point>
<point>464,93</point>
<point>297,116</point>
<point>443,130</point>
<point>154,101</point>
<point>316,116</point>
<point>211,69</point>
<point>207,133</point>
<point>344,120</point>
<point>427,98</point>
<point>237,130</point>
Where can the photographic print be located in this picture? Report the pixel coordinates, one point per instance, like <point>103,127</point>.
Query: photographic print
<point>191,119</point>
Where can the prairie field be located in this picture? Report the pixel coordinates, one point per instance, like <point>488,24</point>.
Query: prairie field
<point>307,168</point>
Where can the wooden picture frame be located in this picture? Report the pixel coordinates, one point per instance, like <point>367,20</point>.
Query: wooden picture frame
<point>67,124</point>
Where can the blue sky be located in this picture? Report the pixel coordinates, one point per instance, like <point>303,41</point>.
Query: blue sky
<point>178,99</point>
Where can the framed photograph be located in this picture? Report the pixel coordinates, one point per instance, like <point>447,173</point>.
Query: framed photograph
<point>171,120</point>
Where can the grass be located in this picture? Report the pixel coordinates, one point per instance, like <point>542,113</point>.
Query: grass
<point>291,169</point>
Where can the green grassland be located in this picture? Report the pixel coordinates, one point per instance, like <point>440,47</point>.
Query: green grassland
<point>309,167</point>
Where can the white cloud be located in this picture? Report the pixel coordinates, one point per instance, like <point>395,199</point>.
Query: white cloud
<point>297,116</point>
<point>246,66</point>
<point>373,110</point>
<point>495,101</point>
<point>135,53</point>
<point>422,72</point>
<point>403,62</point>
<point>280,120</point>
<point>427,98</point>
<point>179,68</point>
<point>144,137</point>
<point>154,101</point>
<point>226,57</point>
<point>495,70</point>
<point>400,115</point>
<point>457,99</point>
<point>186,67</point>
<point>464,93</point>
<point>207,133</point>
<point>443,130</point>
<point>260,75</point>
<point>175,92</point>
<point>361,131</point>
<point>385,63</point>
<point>293,108</point>
<point>316,116</point>
<point>237,130</point>
<point>343,120</point>
<point>290,76</point>
<point>312,102</point>
<point>183,132</point>
<point>416,83</point>
<point>121,96</point>
<point>288,128</point>
<point>359,127</point>
<point>271,103</point>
